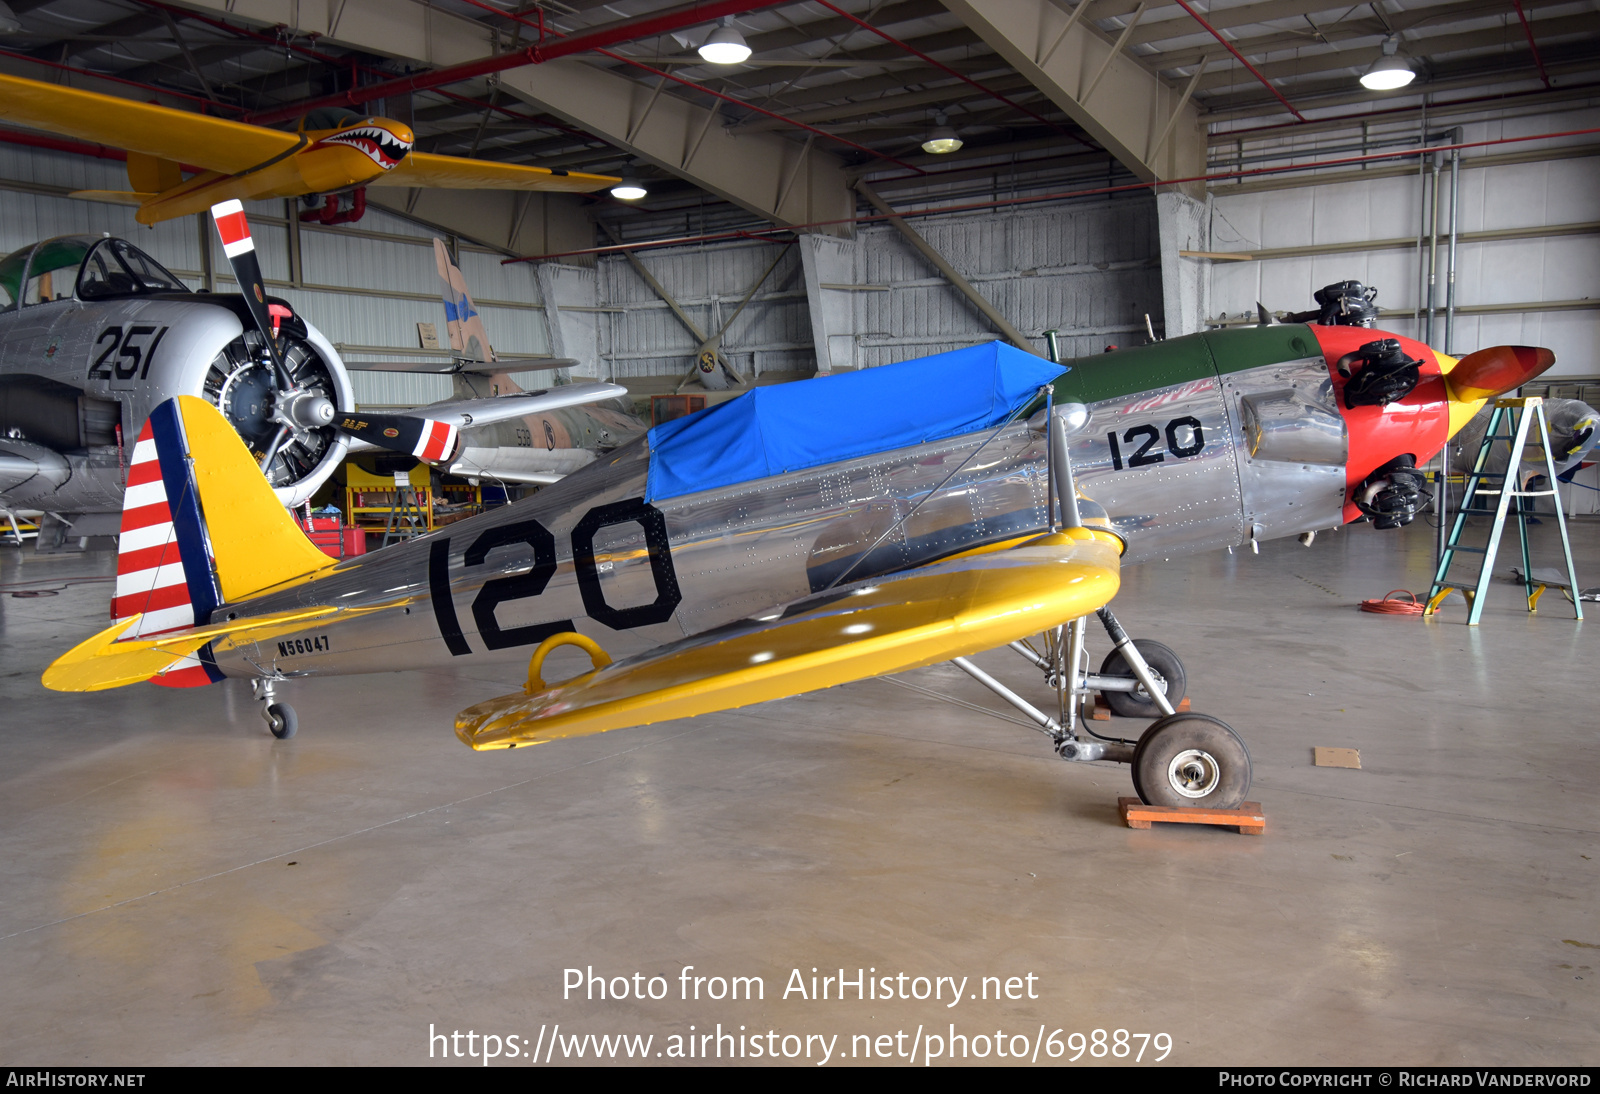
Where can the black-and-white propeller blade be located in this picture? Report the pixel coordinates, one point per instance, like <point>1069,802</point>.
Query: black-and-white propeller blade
<point>234,231</point>
<point>427,439</point>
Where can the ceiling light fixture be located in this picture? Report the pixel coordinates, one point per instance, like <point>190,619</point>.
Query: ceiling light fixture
<point>628,189</point>
<point>1390,71</point>
<point>726,46</point>
<point>942,139</point>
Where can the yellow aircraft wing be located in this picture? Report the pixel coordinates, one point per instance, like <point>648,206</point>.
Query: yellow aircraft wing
<point>949,609</point>
<point>215,144</point>
<point>454,173</point>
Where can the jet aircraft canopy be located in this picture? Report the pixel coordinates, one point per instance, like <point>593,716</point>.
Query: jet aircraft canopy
<point>92,267</point>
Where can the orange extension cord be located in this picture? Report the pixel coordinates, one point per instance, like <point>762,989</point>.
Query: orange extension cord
<point>1394,607</point>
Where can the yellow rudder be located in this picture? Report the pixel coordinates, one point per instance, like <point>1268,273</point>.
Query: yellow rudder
<point>255,543</point>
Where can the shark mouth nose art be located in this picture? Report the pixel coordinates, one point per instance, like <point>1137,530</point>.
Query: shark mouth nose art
<point>382,146</point>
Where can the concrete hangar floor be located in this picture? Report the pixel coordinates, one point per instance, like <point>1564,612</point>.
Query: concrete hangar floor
<point>179,888</point>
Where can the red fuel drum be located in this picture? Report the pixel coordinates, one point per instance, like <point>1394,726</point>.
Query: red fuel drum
<point>1417,425</point>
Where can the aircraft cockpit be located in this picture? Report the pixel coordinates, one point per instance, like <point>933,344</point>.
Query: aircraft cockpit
<point>85,267</point>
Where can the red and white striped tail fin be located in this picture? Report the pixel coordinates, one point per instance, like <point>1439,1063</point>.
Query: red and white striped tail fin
<point>164,571</point>
<point>150,575</point>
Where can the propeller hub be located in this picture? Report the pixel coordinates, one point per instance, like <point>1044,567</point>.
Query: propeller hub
<point>304,410</point>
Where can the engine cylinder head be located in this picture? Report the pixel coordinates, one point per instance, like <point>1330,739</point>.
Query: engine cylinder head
<point>1379,373</point>
<point>242,385</point>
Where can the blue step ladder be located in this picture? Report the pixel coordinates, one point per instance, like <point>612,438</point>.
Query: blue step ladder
<point>1518,415</point>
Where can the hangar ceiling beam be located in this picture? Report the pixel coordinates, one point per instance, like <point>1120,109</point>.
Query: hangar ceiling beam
<point>1152,128</point>
<point>888,105</point>
<point>93,38</point>
<point>682,138</point>
<point>492,61</point>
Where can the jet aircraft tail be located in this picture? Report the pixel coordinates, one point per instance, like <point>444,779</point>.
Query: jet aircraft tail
<point>200,527</point>
<point>468,338</point>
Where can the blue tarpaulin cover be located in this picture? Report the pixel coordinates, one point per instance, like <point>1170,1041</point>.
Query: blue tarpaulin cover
<point>788,427</point>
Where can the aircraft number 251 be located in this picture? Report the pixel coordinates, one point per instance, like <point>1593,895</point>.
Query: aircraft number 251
<point>125,352</point>
<point>503,590</point>
<point>1183,435</point>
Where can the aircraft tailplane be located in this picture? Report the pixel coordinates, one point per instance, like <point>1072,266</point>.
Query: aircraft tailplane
<point>484,385</point>
<point>200,527</point>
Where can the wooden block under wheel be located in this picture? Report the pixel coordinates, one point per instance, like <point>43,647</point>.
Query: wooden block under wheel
<point>1248,818</point>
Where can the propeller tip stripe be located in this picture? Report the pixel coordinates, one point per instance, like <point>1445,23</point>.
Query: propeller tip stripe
<point>437,441</point>
<point>233,228</point>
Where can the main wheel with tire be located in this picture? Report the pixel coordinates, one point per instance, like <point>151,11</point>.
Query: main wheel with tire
<point>1139,703</point>
<point>282,720</point>
<point>1191,760</point>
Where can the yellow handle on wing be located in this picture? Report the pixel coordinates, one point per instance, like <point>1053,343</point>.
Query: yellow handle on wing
<point>597,656</point>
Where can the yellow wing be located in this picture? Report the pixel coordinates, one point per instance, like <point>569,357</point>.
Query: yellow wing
<point>455,173</point>
<point>949,609</point>
<point>215,144</point>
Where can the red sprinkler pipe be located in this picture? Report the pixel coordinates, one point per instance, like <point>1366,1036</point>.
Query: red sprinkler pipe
<point>57,144</point>
<point>374,91</point>
<point>1528,30</point>
<point>152,88</point>
<point>1032,199</point>
<point>329,213</point>
<point>328,58</point>
<point>1363,115</point>
<point>1240,57</point>
<point>624,31</point>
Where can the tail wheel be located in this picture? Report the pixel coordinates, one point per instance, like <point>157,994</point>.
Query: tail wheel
<point>1191,760</point>
<point>1139,704</point>
<point>282,720</point>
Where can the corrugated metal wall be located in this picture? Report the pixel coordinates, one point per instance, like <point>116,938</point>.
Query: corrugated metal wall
<point>395,278</point>
<point>1532,270</point>
<point>27,218</point>
<point>644,337</point>
<point>1091,271</point>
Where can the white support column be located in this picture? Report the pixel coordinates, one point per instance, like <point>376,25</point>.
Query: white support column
<point>827,261</point>
<point>571,296</point>
<point>1183,224</point>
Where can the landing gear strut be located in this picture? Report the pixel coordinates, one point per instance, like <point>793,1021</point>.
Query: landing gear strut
<point>1182,759</point>
<point>280,717</point>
